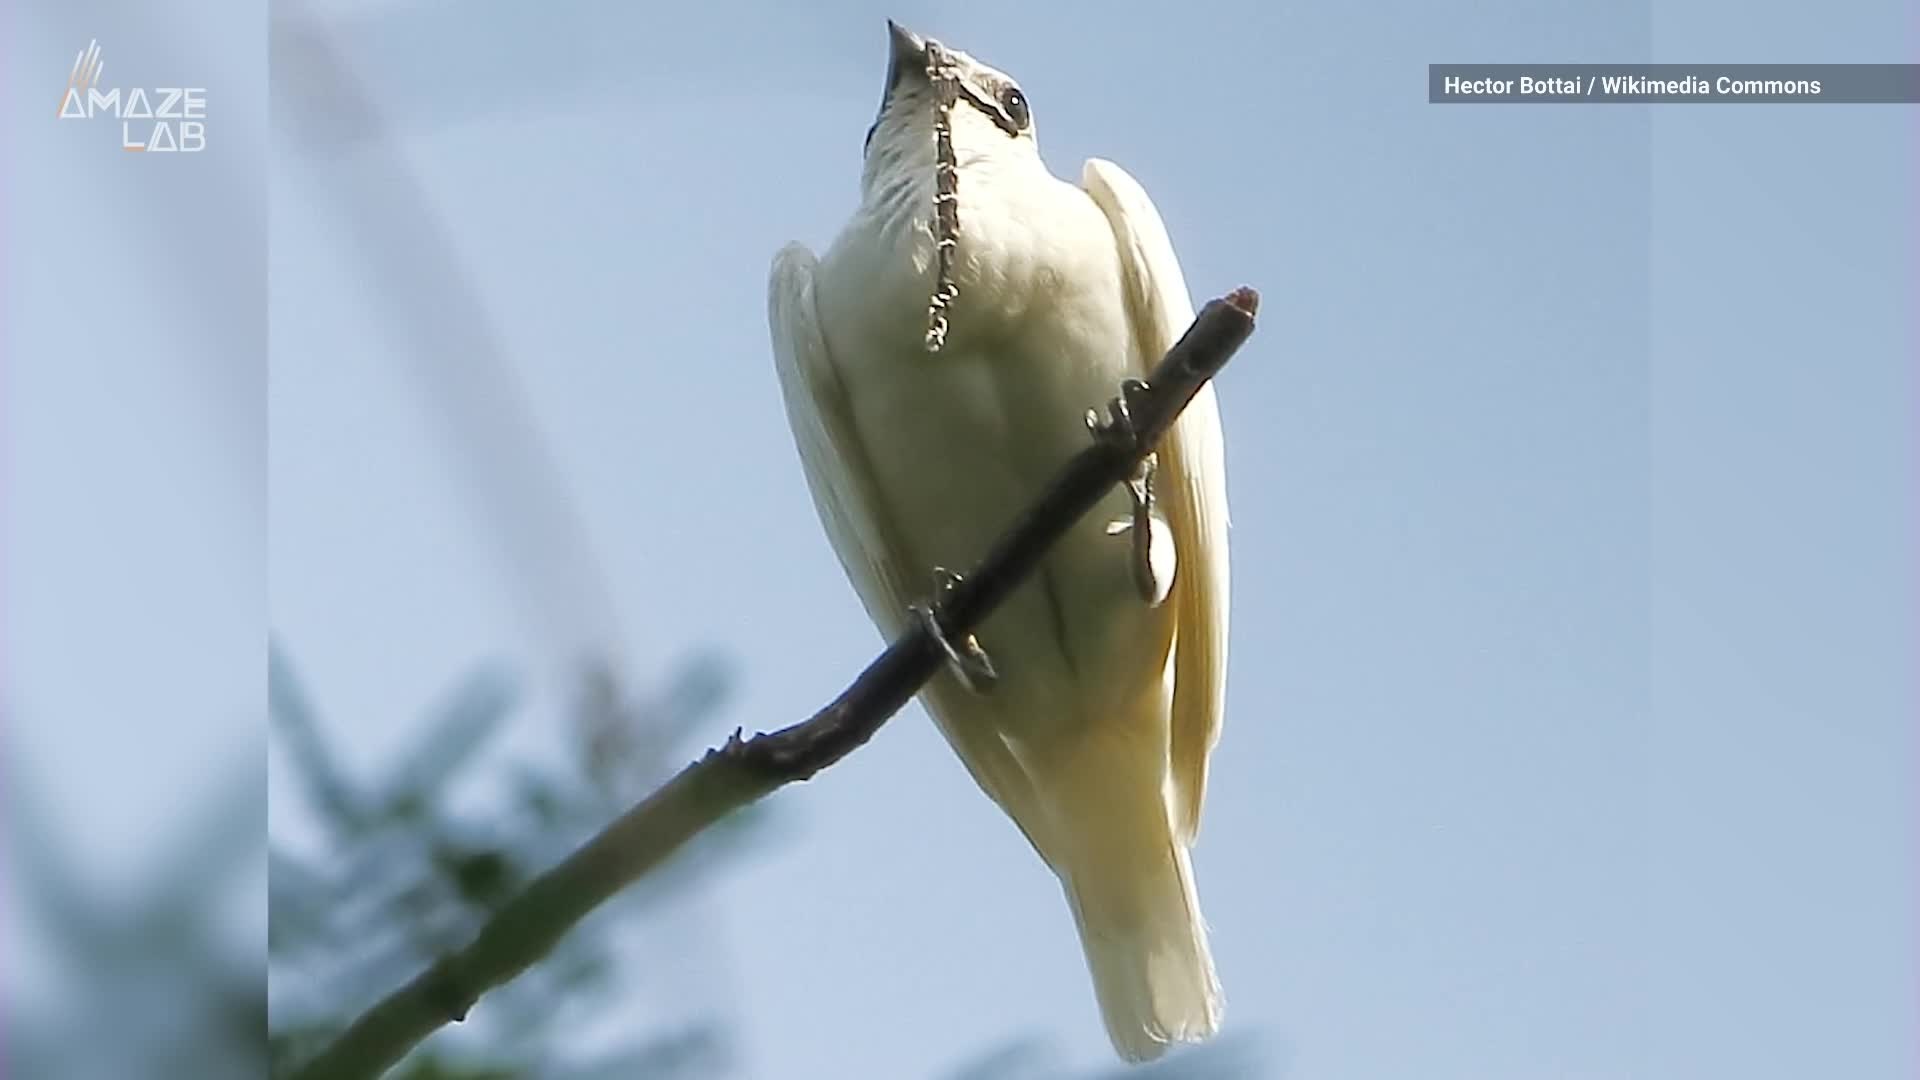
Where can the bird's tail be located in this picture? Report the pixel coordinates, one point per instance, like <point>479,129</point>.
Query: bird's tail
<point>1130,884</point>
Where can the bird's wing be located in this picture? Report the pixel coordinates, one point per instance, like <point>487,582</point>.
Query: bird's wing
<point>835,462</point>
<point>847,500</point>
<point>1192,486</point>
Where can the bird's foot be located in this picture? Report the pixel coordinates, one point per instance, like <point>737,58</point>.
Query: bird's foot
<point>1147,577</point>
<point>1148,538</point>
<point>1150,556</point>
<point>1118,427</point>
<point>969,662</point>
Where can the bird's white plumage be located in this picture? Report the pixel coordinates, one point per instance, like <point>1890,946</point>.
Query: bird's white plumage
<point>1095,741</point>
<point>832,458</point>
<point>841,482</point>
<point>1195,454</point>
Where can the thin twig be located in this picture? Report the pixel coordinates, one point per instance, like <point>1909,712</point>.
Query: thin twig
<point>528,926</point>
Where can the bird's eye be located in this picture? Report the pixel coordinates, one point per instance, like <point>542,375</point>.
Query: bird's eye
<point>1014,103</point>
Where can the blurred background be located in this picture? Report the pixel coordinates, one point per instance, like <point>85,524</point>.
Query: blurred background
<point>1571,720</point>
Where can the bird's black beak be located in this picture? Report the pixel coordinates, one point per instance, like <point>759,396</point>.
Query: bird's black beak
<point>906,59</point>
<point>908,53</point>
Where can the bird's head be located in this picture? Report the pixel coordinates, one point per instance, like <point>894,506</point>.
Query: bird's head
<point>990,116</point>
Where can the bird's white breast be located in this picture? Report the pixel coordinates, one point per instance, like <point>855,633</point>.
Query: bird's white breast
<point>961,440</point>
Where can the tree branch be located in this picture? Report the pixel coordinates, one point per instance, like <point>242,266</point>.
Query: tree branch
<point>740,772</point>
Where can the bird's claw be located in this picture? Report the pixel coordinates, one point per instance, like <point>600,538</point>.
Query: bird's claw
<point>1118,426</point>
<point>1140,486</point>
<point>1118,429</point>
<point>969,662</point>
<point>1141,534</point>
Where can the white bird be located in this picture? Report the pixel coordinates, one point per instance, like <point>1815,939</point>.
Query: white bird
<point>1108,665</point>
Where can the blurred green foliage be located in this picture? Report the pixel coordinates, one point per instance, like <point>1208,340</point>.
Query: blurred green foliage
<point>410,871</point>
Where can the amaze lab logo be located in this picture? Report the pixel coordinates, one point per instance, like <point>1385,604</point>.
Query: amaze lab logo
<point>163,119</point>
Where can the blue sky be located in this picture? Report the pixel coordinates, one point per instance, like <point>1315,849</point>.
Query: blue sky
<point>1571,716</point>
